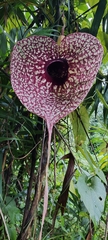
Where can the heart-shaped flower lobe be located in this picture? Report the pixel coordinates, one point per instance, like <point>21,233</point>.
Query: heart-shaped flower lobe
<point>52,80</point>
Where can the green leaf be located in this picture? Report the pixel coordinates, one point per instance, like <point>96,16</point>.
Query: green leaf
<point>12,34</point>
<point>12,232</point>
<point>101,175</point>
<point>102,99</point>
<point>104,39</point>
<point>98,17</point>
<point>45,32</point>
<point>7,35</point>
<point>3,43</point>
<point>80,123</point>
<point>87,156</point>
<point>21,16</point>
<point>1,159</point>
<point>13,211</point>
<point>104,162</point>
<point>92,192</point>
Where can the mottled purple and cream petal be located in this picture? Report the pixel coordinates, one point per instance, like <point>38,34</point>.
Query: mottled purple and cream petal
<point>34,87</point>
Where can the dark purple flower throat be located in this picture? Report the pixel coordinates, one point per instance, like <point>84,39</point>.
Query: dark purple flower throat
<point>58,71</point>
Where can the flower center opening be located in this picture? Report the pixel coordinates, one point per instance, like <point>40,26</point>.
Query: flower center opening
<point>58,71</point>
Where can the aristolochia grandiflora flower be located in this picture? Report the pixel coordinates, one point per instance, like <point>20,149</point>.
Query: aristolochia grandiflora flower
<point>51,80</point>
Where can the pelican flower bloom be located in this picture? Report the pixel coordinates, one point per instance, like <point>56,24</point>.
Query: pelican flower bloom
<point>52,80</point>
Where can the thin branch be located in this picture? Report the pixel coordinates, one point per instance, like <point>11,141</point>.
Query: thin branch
<point>5,224</point>
<point>54,160</point>
<point>4,72</point>
<point>61,136</point>
<point>23,157</point>
<point>38,189</point>
<point>28,199</point>
<point>106,228</point>
<point>95,5</point>
<point>67,145</point>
